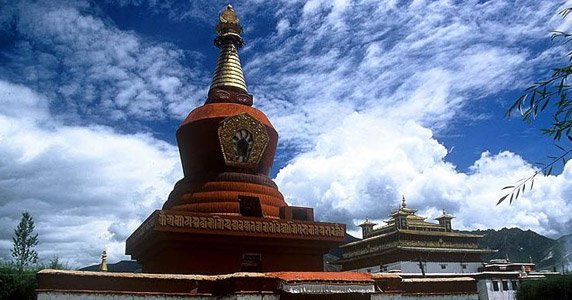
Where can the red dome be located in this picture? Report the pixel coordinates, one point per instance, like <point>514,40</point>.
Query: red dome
<point>212,184</point>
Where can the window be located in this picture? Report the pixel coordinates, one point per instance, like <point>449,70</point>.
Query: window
<point>505,285</point>
<point>514,285</point>
<point>251,262</point>
<point>250,206</point>
<point>300,213</point>
<point>495,285</point>
<point>443,266</point>
<point>464,266</point>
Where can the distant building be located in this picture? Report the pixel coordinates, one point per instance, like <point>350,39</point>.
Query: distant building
<point>409,244</point>
<point>499,279</point>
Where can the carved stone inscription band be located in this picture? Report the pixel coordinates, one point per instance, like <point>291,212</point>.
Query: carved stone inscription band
<point>240,225</point>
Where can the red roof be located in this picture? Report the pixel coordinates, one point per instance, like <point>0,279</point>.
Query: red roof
<point>321,276</point>
<point>218,110</point>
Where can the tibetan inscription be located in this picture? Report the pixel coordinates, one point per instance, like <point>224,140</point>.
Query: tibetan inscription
<point>250,226</point>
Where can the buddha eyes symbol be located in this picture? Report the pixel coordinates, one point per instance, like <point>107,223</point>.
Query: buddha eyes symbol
<point>243,143</point>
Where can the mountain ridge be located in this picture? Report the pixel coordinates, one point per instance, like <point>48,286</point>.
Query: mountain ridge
<point>528,246</point>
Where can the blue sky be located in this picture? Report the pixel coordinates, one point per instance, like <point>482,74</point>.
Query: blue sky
<point>372,100</point>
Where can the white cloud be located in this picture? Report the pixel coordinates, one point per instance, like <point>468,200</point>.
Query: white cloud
<point>361,168</point>
<point>94,72</point>
<point>87,188</point>
<point>431,63</point>
<point>282,26</point>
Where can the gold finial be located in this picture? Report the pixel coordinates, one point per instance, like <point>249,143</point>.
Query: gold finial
<point>228,22</point>
<point>403,203</point>
<point>228,73</point>
<point>103,265</point>
<point>444,213</point>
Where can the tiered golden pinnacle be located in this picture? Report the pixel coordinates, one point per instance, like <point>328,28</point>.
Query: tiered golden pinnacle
<point>228,72</point>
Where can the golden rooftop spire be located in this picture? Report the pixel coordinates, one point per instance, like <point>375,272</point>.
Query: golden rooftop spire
<point>228,72</point>
<point>103,265</point>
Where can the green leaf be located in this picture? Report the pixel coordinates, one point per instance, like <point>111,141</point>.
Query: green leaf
<point>517,192</point>
<point>545,104</point>
<point>531,183</point>
<point>502,199</point>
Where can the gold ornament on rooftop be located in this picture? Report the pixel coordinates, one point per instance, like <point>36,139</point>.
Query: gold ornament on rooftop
<point>228,73</point>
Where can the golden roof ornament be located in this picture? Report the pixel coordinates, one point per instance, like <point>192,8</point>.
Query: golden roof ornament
<point>228,22</point>
<point>103,265</point>
<point>403,203</point>
<point>445,215</point>
<point>367,223</point>
<point>228,84</point>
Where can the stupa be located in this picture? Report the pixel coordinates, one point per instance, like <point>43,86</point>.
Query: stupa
<point>226,215</point>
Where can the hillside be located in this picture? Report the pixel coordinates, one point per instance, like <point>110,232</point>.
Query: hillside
<point>559,255</point>
<point>521,246</point>
<point>516,244</point>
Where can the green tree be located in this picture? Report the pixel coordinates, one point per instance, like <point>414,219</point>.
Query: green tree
<point>16,283</point>
<point>55,264</point>
<point>557,287</point>
<point>24,242</point>
<point>554,95</point>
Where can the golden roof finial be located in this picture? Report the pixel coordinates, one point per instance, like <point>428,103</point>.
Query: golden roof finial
<point>403,203</point>
<point>103,265</point>
<point>228,73</point>
<point>228,22</point>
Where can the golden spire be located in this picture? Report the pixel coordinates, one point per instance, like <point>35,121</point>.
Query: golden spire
<point>228,72</point>
<point>103,265</point>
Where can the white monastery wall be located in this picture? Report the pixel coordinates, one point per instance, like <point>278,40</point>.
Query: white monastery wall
<point>487,290</point>
<point>430,267</point>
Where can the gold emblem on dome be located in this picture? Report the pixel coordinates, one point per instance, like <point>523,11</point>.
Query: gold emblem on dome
<point>243,140</point>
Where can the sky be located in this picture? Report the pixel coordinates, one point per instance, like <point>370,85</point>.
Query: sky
<point>372,100</point>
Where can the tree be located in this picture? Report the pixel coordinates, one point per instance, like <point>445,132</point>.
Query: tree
<point>24,242</point>
<point>553,94</point>
<point>551,288</point>
<point>17,284</point>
